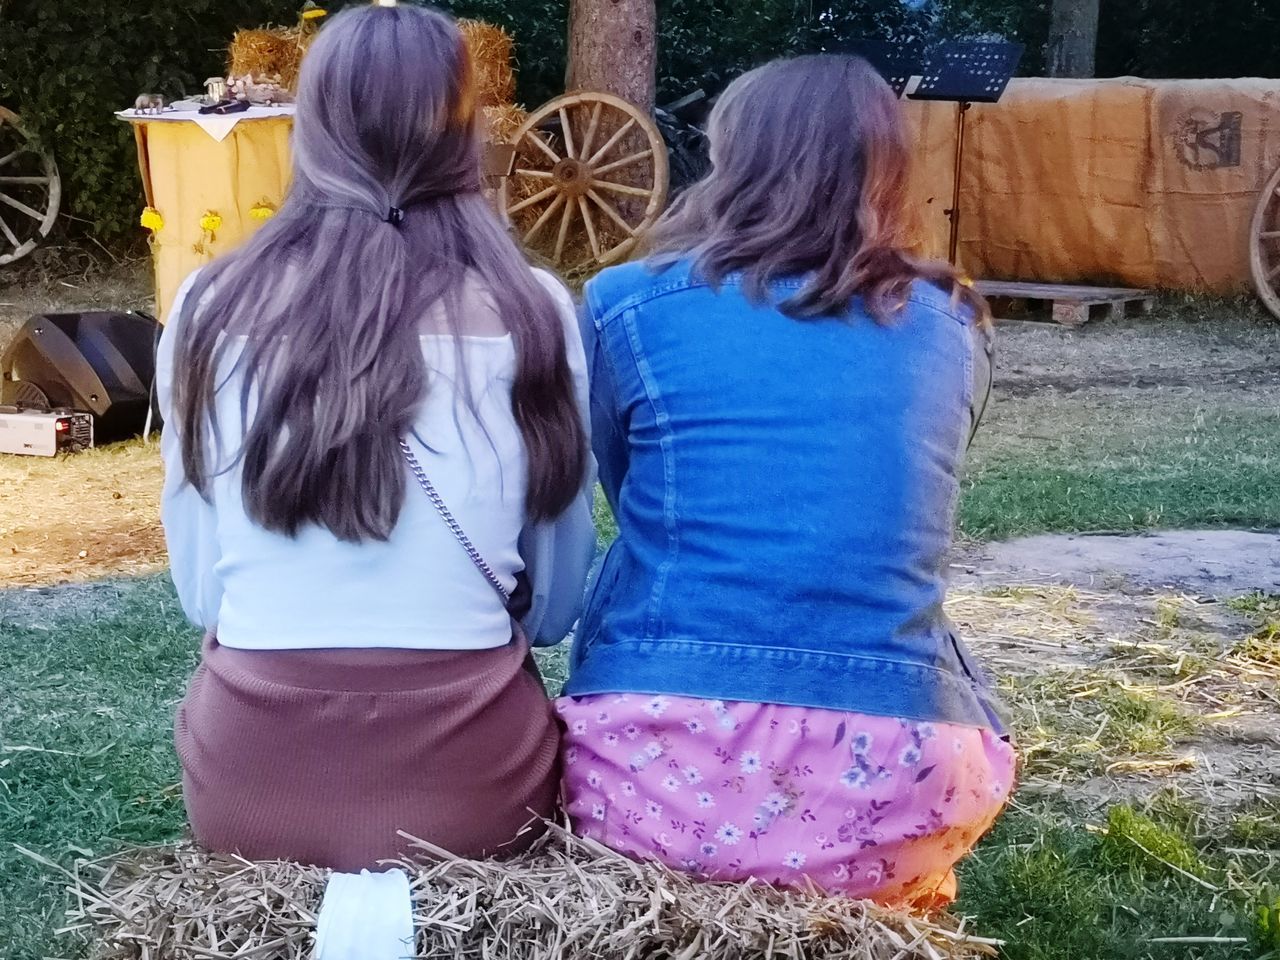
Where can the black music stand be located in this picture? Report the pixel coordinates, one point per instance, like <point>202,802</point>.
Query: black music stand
<point>963,72</point>
<point>895,60</point>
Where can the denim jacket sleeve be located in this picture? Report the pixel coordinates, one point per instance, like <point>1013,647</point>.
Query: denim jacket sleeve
<point>608,431</point>
<point>558,553</point>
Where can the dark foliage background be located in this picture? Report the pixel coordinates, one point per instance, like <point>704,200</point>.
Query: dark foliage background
<point>66,65</point>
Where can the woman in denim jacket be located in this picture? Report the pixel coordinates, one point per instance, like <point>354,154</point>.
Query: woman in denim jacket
<point>764,682</point>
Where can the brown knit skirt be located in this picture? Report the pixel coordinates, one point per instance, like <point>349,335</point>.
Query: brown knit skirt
<point>321,756</point>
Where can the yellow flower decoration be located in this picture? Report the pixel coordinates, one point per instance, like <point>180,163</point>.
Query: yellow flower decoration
<point>966,282</point>
<point>262,210</point>
<point>314,14</point>
<point>151,219</point>
<point>210,222</point>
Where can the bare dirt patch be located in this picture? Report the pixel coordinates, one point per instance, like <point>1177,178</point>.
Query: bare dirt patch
<point>1119,693</point>
<point>81,517</point>
<point>1215,562</point>
<point>1187,342</point>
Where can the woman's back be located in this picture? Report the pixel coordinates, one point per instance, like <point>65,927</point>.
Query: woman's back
<point>785,492</point>
<point>418,588</point>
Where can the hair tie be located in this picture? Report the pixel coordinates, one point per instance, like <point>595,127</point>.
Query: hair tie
<point>395,217</point>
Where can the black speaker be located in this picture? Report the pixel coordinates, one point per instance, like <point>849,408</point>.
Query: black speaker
<point>101,362</point>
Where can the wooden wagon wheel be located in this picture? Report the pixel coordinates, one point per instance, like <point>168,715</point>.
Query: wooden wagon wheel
<point>595,167</point>
<point>30,190</point>
<point>1264,245</point>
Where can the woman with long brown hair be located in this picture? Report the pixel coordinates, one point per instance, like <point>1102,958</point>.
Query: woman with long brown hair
<point>376,424</point>
<point>764,683</point>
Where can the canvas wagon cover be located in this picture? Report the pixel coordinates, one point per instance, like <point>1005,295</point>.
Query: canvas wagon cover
<point>1125,181</point>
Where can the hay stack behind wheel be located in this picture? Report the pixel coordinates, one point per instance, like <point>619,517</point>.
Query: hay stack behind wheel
<point>492,51</point>
<point>565,899</point>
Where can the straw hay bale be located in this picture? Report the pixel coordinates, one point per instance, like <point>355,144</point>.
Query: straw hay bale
<point>567,898</point>
<point>492,51</point>
<point>502,121</point>
<point>269,52</point>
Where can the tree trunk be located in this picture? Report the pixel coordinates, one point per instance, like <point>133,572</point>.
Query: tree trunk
<point>1073,38</point>
<point>613,49</point>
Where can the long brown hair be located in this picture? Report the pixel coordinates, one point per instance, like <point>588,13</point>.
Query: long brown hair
<point>385,222</point>
<point>810,167</point>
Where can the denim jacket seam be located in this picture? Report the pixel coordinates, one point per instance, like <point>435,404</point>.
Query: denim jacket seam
<point>657,291</point>
<point>958,316</point>
<point>666,443</point>
<point>756,652</point>
<point>601,346</point>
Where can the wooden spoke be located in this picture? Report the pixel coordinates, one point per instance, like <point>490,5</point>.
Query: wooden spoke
<point>587,222</point>
<point>610,212</point>
<point>21,207</point>
<point>530,201</point>
<point>1274,272</point>
<point>602,146</point>
<point>566,131</point>
<point>541,222</point>
<point>35,175</point>
<point>9,234</point>
<point>612,141</point>
<point>542,145</point>
<point>624,162</point>
<point>1265,235</point>
<point>565,220</point>
<point>590,137</point>
<point>622,188</point>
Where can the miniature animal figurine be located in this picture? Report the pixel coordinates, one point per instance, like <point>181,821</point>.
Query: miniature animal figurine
<point>151,103</point>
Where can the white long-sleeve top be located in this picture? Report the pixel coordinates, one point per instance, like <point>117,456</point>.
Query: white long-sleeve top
<point>418,590</point>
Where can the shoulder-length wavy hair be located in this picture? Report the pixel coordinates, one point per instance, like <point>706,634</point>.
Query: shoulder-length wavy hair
<point>326,301</point>
<point>810,165</point>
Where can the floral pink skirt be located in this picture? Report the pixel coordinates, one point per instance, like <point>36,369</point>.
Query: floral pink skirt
<point>861,806</point>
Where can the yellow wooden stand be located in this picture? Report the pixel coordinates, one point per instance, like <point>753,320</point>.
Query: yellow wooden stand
<point>187,175</point>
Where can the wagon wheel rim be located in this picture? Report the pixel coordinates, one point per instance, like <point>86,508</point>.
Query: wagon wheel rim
<point>604,175</point>
<point>30,190</point>
<point>1264,245</point>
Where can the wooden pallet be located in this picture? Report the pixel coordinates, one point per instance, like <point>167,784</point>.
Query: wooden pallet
<point>1068,305</point>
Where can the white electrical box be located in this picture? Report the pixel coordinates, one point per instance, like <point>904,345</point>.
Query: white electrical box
<point>44,433</point>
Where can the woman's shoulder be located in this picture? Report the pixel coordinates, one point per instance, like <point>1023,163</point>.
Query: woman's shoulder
<point>556,287</point>
<point>932,297</point>
<point>615,288</point>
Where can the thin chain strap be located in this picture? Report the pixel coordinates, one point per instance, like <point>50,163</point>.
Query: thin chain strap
<point>454,527</point>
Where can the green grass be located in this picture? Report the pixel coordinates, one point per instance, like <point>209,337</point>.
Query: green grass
<point>1054,889</point>
<point>1067,464</point>
<point>86,757</point>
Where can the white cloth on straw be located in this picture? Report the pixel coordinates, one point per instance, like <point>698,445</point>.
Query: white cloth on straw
<point>365,916</point>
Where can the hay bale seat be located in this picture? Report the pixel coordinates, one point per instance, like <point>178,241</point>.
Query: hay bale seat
<point>565,899</point>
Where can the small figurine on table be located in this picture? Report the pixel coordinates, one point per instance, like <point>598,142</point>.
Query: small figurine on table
<point>149,103</point>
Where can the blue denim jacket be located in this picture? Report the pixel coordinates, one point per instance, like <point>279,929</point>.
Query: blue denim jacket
<point>785,493</point>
